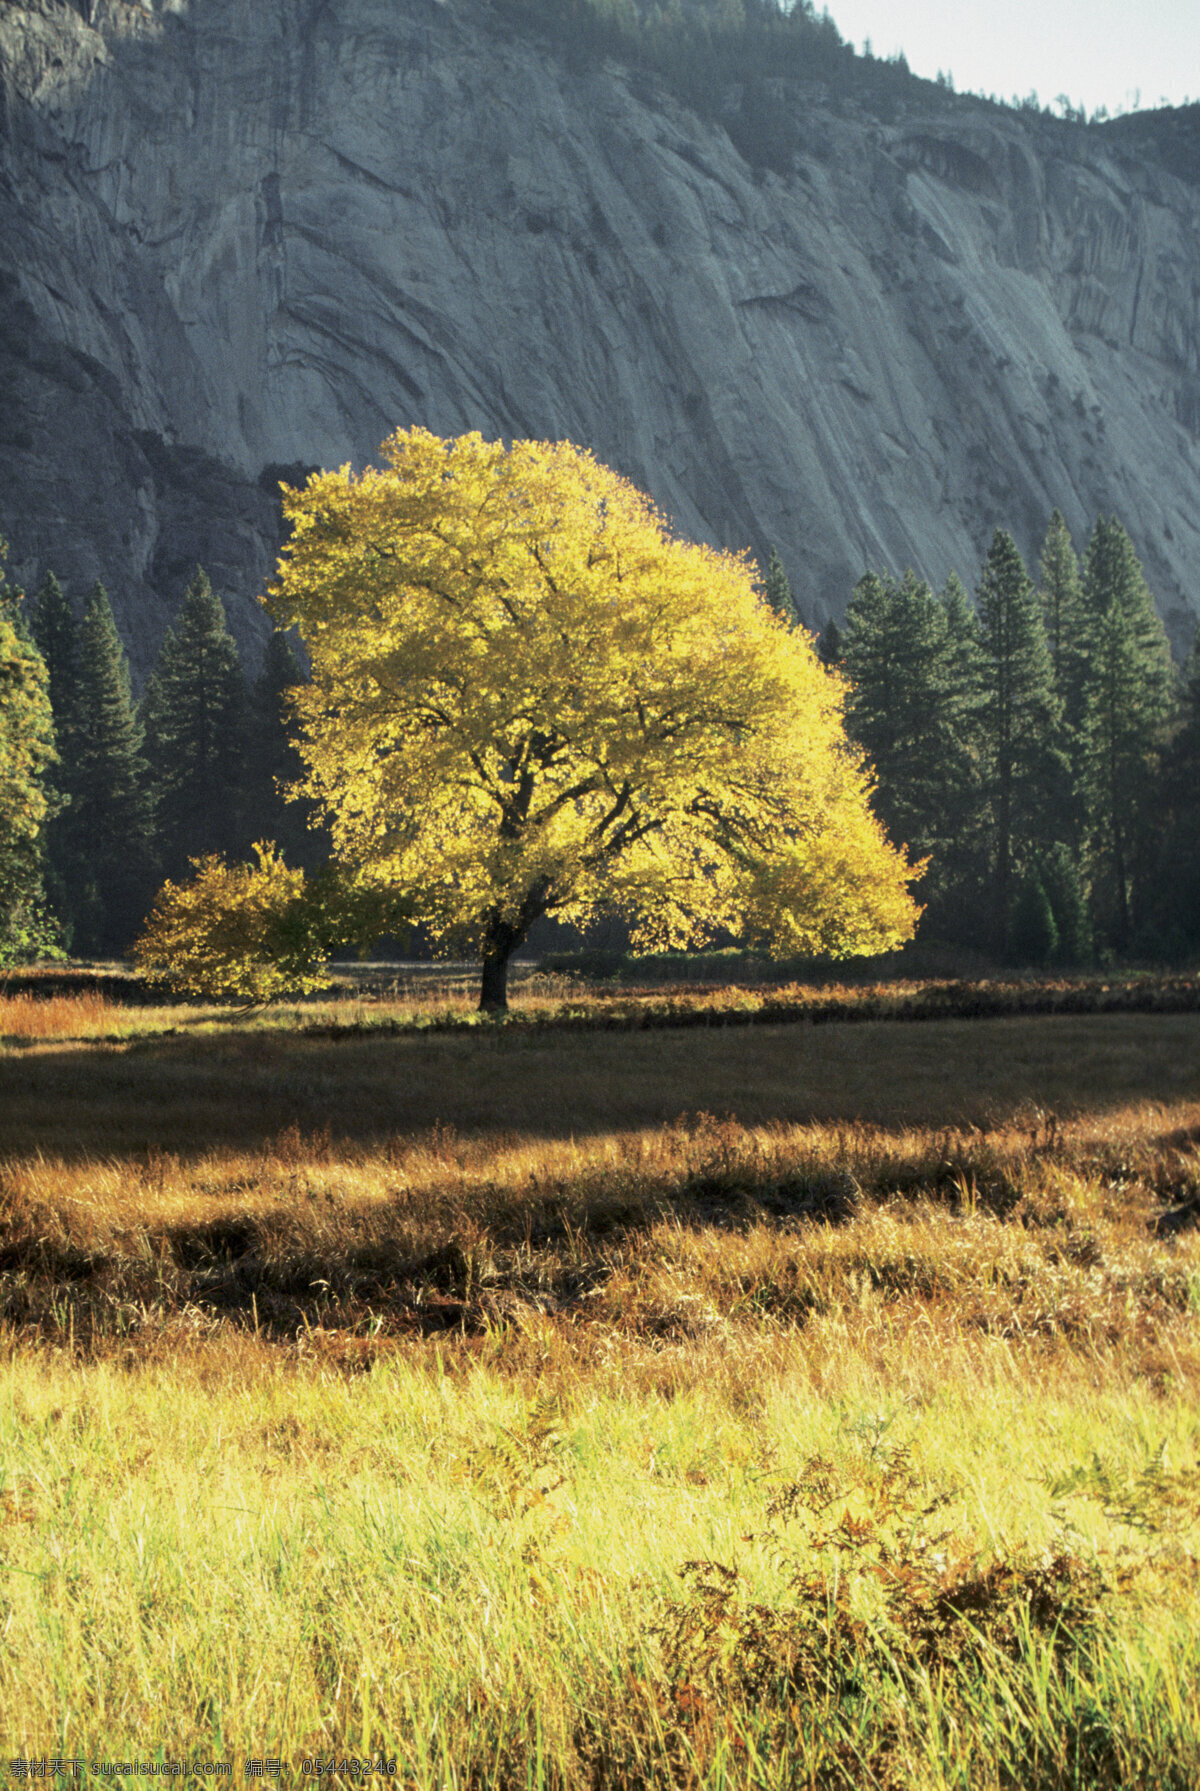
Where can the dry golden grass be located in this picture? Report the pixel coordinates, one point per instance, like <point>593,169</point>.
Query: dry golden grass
<point>977,1179</point>
<point>368,1393</point>
<point>640,1244</point>
<point>25,1016</point>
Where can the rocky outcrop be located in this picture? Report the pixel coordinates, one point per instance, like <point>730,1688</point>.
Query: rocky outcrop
<point>236,242</point>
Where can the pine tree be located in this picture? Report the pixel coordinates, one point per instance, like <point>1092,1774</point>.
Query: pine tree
<point>1025,770</point>
<point>194,712</point>
<point>912,715</point>
<point>109,819</point>
<point>778,591</point>
<point>1033,933</point>
<point>56,632</point>
<point>878,701</point>
<point>1058,869</point>
<point>965,647</point>
<point>1127,709</point>
<point>967,915</point>
<point>273,763</point>
<point>1061,597</point>
<point>1065,618</point>
<point>829,645</point>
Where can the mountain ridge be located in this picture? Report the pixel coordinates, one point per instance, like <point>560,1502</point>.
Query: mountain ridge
<point>236,246</point>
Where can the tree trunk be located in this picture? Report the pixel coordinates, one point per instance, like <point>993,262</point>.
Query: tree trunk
<point>499,943</point>
<point>500,940</point>
<point>1003,865</point>
<point>1124,921</point>
<point>493,991</point>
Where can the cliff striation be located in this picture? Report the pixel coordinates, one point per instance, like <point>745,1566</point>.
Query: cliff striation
<point>237,242</point>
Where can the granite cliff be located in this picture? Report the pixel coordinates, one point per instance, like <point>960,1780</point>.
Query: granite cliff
<point>237,242</point>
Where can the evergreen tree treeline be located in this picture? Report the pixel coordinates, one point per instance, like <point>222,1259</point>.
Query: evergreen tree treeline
<point>914,706</point>
<point>195,722</point>
<point>1039,747</point>
<point>139,790</point>
<point>106,825</point>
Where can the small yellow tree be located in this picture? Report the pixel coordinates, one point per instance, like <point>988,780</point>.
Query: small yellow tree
<point>528,698</point>
<point>234,933</point>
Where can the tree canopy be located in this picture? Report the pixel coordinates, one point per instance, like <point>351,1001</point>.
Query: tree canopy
<point>529,698</point>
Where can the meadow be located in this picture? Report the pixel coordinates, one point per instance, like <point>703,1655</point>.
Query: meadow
<point>630,1395</point>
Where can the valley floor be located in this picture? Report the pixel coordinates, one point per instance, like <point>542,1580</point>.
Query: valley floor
<point>800,1404</point>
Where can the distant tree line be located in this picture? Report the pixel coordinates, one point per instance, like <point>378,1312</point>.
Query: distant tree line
<point>136,790</point>
<point>1039,747</point>
<point>730,61</point>
<point>738,63</point>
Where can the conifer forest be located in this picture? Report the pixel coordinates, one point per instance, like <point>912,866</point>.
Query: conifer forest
<point>136,788</point>
<point>1033,742</point>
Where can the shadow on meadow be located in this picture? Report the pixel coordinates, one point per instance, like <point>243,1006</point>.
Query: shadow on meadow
<point>236,1088</point>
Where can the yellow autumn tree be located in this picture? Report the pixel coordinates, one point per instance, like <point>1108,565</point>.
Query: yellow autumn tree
<point>529,698</point>
<point>233,932</point>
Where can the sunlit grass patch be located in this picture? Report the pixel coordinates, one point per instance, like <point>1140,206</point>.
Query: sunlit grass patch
<point>377,1002</point>
<point>301,1562</point>
<point>25,1016</point>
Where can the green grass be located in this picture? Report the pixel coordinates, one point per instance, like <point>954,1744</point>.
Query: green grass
<point>424,1563</point>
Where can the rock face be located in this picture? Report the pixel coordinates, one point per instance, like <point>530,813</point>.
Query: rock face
<point>237,242</point>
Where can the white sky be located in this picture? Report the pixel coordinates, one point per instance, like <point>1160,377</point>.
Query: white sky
<point>1098,52</point>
